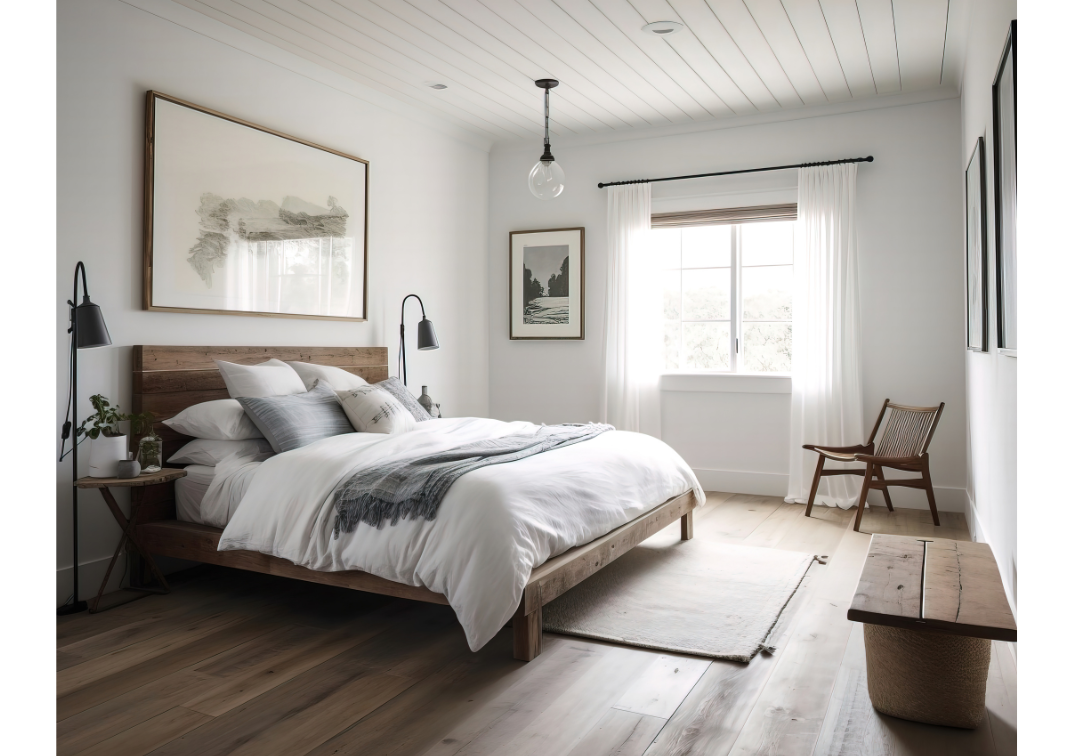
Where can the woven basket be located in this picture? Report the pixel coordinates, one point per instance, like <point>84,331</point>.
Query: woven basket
<point>927,677</point>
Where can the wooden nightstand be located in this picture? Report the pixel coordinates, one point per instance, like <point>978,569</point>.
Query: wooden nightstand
<point>165,475</point>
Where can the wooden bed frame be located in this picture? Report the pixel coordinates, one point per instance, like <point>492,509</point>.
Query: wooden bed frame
<point>168,379</point>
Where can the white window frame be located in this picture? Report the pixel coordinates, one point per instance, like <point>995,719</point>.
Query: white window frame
<point>735,314</point>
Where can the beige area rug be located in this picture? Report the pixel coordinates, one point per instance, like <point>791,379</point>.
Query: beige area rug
<point>694,597</point>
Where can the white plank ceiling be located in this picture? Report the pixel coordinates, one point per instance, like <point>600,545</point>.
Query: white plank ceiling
<point>734,57</point>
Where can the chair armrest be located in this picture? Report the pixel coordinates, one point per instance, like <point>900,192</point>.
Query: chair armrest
<point>845,449</point>
<point>887,461</point>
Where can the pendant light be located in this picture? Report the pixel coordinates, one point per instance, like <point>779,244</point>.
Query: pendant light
<point>546,179</point>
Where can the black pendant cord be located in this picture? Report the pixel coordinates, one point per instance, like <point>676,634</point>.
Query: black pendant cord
<point>868,159</point>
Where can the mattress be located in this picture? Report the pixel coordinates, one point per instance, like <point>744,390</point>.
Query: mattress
<point>190,491</point>
<point>210,495</point>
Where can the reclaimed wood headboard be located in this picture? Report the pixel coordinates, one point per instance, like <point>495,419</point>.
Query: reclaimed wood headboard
<point>168,379</point>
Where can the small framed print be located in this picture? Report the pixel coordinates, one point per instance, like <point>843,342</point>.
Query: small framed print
<point>977,317</point>
<point>547,284</point>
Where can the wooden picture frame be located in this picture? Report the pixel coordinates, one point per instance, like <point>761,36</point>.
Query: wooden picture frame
<point>240,219</point>
<point>552,260</point>
<point>976,262</point>
<point>1004,104</point>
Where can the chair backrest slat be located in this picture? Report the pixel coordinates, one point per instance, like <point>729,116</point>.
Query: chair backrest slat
<point>907,431</point>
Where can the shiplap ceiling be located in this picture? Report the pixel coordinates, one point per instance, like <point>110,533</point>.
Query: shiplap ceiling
<point>734,57</point>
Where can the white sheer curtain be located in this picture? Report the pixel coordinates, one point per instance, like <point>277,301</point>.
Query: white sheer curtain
<point>826,388</point>
<point>633,338</point>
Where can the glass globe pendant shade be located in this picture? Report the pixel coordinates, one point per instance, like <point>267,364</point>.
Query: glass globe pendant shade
<point>546,180</point>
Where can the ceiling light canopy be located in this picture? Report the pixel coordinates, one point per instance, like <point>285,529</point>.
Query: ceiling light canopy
<point>663,28</point>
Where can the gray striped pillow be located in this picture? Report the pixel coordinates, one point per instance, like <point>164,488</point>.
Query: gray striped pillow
<point>296,420</point>
<point>398,390</point>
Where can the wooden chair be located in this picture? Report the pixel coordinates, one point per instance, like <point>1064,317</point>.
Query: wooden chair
<point>903,447</point>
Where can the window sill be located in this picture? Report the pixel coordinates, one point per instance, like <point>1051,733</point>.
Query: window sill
<point>1007,352</point>
<point>730,383</point>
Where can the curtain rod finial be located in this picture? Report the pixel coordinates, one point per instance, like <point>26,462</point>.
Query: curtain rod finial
<point>869,158</point>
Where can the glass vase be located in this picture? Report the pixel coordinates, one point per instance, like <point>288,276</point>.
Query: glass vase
<point>150,452</point>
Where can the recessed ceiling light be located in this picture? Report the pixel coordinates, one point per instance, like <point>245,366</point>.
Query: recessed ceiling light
<point>663,28</point>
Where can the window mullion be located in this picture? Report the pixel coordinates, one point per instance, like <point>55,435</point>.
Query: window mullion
<point>736,296</point>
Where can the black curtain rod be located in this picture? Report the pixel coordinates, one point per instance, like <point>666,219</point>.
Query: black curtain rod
<point>868,159</point>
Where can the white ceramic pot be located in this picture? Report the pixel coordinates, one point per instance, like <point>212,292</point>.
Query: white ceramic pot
<point>105,455</point>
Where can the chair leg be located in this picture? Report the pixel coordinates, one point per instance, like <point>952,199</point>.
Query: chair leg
<point>814,485</point>
<point>862,495</point>
<point>929,490</point>
<point>885,491</point>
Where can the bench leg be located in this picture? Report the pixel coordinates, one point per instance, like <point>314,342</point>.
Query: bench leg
<point>688,525</point>
<point>529,635</point>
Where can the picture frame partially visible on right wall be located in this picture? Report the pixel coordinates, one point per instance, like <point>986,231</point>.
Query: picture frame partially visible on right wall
<point>977,266</point>
<point>1004,100</point>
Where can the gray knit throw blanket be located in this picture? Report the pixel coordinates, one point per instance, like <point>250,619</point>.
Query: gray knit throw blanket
<point>414,488</point>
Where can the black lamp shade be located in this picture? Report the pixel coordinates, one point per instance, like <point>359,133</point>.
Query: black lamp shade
<point>90,326</point>
<point>425,335</point>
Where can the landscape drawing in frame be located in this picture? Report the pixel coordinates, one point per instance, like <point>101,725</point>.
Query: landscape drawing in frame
<point>243,220</point>
<point>977,267</point>
<point>547,284</point>
<point>1004,98</point>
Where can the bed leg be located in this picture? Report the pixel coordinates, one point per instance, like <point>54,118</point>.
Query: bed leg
<point>688,525</point>
<point>529,635</point>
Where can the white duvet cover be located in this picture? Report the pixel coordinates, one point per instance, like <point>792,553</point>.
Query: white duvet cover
<point>494,526</point>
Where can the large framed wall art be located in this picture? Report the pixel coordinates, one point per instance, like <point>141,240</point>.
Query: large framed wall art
<point>1004,92</point>
<point>977,267</point>
<point>240,219</point>
<point>547,284</point>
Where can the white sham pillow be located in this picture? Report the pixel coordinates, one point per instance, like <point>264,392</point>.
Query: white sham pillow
<point>270,378</point>
<point>210,451</point>
<point>373,410</point>
<point>220,419</point>
<point>335,377</point>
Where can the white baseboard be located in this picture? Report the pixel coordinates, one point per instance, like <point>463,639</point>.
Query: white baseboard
<point>775,484</point>
<point>978,533</point>
<point>737,481</point>
<point>90,576</point>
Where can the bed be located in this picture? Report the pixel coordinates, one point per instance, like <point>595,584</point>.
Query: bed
<point>168,379</point>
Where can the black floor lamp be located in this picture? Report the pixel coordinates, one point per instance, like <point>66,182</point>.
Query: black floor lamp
<point>425,337</point>
<point>87,331</point>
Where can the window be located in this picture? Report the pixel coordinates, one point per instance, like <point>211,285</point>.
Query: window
<point>727,296</point>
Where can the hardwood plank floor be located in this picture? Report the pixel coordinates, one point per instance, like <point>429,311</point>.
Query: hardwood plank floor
<point>240,663</point>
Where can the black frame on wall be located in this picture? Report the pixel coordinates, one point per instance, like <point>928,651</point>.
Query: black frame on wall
<point>1005,194</point>
<point>978,322</point>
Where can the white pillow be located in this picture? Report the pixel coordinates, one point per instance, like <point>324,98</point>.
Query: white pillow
<point>373,410</point>
<point>210,451</point>
<point>338,379</point>
<point>271,378</point>
<point>222,419</point>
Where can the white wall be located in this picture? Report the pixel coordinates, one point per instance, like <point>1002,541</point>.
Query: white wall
<point>427,215</point>
<point>991,377</point>
<point>911,277</point>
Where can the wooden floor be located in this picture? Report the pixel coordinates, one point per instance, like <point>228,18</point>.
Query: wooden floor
<point>240,663</point>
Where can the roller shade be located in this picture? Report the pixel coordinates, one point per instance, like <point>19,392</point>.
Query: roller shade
<point>726,216</point>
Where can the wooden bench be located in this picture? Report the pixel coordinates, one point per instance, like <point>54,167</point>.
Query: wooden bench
<point>931,606</point>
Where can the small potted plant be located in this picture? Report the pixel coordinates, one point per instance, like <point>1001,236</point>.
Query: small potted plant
<point>108,445</point>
